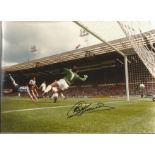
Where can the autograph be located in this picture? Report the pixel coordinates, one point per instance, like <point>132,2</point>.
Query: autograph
<point>81,107</point>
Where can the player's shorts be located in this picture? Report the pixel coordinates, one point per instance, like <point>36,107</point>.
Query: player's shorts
<point>16,87</point>
<point>49,87</point>
<point>23,89</point>
<point>31,87</point>
<point>55,89</point>
<point>63,85</point>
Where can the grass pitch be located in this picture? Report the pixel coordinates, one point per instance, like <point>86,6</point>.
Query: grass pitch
<point>20,115</point>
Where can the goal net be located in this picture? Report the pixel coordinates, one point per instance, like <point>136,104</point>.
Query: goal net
<point>137,41</point>
<point>142,65</point>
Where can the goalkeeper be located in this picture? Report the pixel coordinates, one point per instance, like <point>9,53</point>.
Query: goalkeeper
<point>70,78</point>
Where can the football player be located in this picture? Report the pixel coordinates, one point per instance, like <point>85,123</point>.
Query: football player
<point>21,89</point>
<point>70,78</point>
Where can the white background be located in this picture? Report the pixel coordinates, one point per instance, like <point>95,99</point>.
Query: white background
<point>78,144</point>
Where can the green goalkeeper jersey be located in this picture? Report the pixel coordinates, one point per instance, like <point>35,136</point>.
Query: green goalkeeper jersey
<point>72,77</point>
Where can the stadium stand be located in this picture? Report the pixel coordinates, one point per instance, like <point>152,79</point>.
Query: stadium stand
<point>104,67</point>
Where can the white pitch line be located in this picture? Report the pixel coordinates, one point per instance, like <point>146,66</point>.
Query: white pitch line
<point>19,110</point>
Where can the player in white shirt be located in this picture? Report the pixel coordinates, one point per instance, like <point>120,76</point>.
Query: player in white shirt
<point>43,86</point>
<point>153,97</point>
<point>142,89</point>
<point>33,87</point>
<point>21,89</point>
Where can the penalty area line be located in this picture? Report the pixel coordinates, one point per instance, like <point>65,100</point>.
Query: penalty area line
<point>32,109</point>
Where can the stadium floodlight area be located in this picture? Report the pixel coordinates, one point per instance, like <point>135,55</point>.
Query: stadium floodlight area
<point>142,62</point>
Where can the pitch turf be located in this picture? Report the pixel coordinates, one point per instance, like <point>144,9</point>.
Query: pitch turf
<point>20,115</point>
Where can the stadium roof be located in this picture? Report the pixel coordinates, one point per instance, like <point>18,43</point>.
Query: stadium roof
<point>122,44</point>
<point>23,41</point>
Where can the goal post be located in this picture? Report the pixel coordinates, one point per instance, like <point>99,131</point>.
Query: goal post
<point>118,51</point>
<point>143,44</point>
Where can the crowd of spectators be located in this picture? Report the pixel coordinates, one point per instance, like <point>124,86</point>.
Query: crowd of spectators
<point>96,91</point>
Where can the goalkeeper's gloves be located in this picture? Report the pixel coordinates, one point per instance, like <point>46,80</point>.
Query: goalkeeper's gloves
<point>85,76</point>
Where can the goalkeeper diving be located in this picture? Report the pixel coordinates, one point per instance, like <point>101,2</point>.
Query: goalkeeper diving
<point>70,78</point>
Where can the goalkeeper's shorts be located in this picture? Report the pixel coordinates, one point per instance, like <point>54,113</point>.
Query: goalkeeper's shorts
<point>63,85</point>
